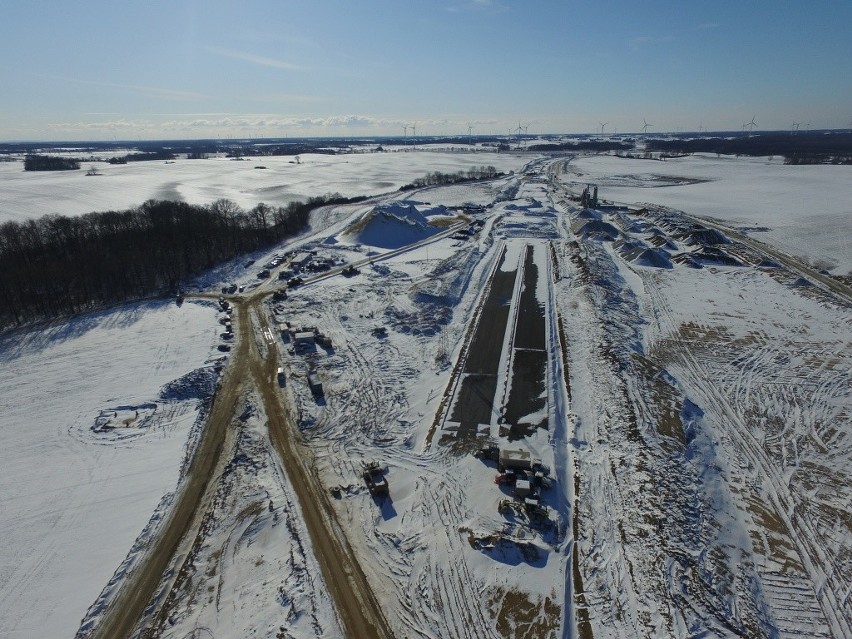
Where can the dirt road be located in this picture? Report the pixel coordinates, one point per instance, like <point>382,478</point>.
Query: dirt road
<point>357,607</point>
<point>126,608</point>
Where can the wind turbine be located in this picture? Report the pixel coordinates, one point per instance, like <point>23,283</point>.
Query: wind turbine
<point>795,128</point>
<point>751,125</point>
<point>603,124</point>
<point>518,132</point>
<point>469,131</point>
<point>645,126</point>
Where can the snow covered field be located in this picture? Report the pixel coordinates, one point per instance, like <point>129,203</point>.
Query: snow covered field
<point>694,411</point>
<point>26,194</point>
<point>712,398</point>
<point>94,434</point>
<point>803,210</point>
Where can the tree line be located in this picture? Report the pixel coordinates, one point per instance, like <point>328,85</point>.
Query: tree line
<point>583,145</point>
<point>57,266</point>
<point>437,177</point>
<point>143,156</point>
<point>50,163</point>
<point>802,148</point>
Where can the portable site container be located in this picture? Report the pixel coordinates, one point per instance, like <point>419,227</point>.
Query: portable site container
<point>516,458</point>
<point>315,385</point>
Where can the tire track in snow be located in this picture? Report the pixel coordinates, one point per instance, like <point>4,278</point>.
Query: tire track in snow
<point>822,572</point>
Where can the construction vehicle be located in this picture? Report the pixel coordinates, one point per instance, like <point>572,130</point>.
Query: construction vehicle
<point>374,476</point>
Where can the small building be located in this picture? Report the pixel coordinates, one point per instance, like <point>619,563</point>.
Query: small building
<point>301,260</point>
<point>516,458</point>
<point>315,384</point>
<point>304,338</point>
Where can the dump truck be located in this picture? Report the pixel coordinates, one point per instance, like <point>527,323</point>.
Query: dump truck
<point>374,477</point>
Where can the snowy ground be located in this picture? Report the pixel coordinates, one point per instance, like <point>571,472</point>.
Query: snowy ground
<point>381,398</point>
<point>699,453</point>
<point>94,434</point>
<point>712,402</point>
<point>803,210</point>
<point>31,194</point>
<point>254,570</point>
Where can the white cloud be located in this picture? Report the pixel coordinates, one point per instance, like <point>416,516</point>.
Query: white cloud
<point>640,42</point>
<point>211,125</point>
<point>152,92</point>
<point>255,59</point>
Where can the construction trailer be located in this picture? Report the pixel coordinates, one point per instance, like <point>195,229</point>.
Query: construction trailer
<point>515,458</point>
<point>315,385</point>
<point>301,260</point>
<point>304,338</point>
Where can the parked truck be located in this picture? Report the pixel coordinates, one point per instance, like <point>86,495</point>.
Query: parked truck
<point>374,477</point>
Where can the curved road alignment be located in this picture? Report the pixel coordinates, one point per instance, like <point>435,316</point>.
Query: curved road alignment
<point>355,602</point>
<point>127,606</point>
<point>357,607</point>
<point>358,610</point>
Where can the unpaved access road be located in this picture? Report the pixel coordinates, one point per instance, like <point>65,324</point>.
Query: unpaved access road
<point>126,608</point>
<point>356,605</point>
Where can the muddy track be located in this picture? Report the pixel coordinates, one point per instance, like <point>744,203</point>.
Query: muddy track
<point>126,608</point>
<point>356,605</point>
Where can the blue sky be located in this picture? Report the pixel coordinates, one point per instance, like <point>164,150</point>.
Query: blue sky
<point>98,70</point>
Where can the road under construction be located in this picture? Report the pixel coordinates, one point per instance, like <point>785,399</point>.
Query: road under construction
<point>140,605</point>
